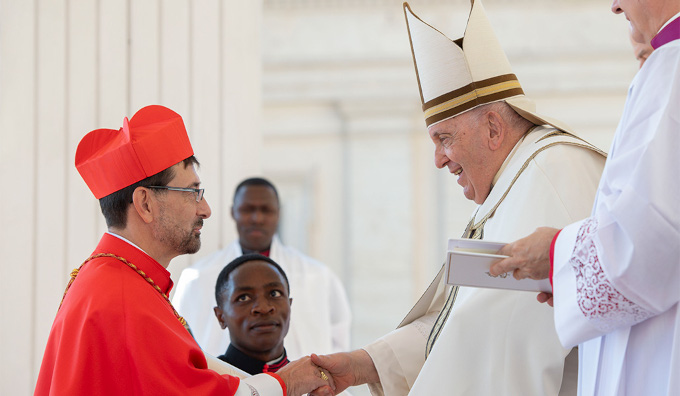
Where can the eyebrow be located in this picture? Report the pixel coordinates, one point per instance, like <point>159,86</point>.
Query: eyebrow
<point>271,284</point>
<point>436,134</point>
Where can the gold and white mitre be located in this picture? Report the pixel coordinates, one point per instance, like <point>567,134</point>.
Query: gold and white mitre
<point>455,76</point>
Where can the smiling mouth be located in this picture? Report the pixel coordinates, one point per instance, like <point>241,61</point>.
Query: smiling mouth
<point>458,171</point>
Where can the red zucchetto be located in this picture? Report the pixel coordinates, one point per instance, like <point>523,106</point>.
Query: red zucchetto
<point>152,141</point>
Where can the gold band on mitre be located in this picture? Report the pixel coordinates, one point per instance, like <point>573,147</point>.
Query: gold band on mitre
<point>470,96</point>
<point>455,76</point>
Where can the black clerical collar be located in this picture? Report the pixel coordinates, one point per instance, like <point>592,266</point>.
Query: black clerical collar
<point>251,365</point>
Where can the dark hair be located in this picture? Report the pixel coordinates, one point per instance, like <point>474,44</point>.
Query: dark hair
<point>223,277</point>
<point>256,181</point>
<point>114,206</point>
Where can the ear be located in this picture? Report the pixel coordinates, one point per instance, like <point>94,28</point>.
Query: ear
<point>232,213</point>
<point>218,315</point>
<point>290,302</point>
<point>497,129</point>
<point>144,204</point>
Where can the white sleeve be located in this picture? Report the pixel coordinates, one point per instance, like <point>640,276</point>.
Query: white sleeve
<point>341,315</point>
<point>638,221</point>
<point>587,305</point>
<point>622,265</point>
<point>194,300</point>
<point>399,356</point>
<point>186,278</point>
<point>260,385</point>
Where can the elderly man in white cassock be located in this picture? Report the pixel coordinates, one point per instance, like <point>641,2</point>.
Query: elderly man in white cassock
<point>523,170</point>
<point>616,274</point>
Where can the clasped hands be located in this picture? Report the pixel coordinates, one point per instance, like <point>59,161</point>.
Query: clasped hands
<point>343,369</point>
<point>303,376</point>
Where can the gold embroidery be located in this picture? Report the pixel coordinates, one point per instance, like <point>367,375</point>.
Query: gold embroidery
<point>441,319</point>
<point>450,299</point>
<point>472,95</point>
<point>524,166</point>
<point>476,230</point>
<point>558,132</point>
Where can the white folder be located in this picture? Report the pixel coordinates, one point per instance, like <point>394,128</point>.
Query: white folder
<point>468,262</point>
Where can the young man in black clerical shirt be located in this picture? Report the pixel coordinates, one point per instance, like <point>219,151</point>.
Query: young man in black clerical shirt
<point>252,302</point>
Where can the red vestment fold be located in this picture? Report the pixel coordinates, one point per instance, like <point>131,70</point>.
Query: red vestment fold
<point>116,335</point>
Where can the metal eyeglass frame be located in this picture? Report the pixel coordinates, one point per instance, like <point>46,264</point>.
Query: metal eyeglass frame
<point>198,191</point>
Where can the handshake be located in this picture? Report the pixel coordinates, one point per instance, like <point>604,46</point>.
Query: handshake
<point>328,375</point>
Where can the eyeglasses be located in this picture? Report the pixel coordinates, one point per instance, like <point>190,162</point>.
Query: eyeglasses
<point>197,191</point>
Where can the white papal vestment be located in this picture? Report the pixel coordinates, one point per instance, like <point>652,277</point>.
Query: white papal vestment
<point>320,318</point>
<point>617,274</point>
<point>498,342</point>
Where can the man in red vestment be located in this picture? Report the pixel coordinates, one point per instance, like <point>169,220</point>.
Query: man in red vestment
<point>116,332</point>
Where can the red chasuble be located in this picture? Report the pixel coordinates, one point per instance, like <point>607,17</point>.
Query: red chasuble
<point>116,335</point>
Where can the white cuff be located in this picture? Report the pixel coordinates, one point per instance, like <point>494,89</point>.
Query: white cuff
<point>572,326</point>
<point>259,385</point>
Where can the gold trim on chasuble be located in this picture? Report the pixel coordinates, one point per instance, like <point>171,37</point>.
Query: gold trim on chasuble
<point>476,230</point>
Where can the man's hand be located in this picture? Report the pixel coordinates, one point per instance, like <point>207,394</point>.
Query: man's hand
<point>348,369</point>
<point>545,297</point>
<point>528,257</point>
<point>303,376</point>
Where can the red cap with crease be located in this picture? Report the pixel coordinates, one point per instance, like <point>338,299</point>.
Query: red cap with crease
<point>153,140</point>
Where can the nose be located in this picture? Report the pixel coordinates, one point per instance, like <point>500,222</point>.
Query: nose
<point>262,306</point>
<point>203,209</point>
<point>440,159</point>
<point>616,9</point>
<point>257,216</point>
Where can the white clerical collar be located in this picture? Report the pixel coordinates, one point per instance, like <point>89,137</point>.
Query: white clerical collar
<point>674,17</point>
<point>128,241</point>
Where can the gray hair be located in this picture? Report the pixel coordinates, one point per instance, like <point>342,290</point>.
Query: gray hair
<point>509,115</point>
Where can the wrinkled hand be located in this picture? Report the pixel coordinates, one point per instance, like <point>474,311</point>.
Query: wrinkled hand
<point>339,365</point>
<point>303,376</point>
<point>529,257</point>
<point>348,369</point>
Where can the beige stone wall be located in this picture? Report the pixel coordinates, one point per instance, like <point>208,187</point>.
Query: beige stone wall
<point>319,96</point>
<point>68,67</point>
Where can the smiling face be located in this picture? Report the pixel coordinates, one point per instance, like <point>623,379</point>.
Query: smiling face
<point>256,212</point>
<point>461,146</point>
<point>255,307</point>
